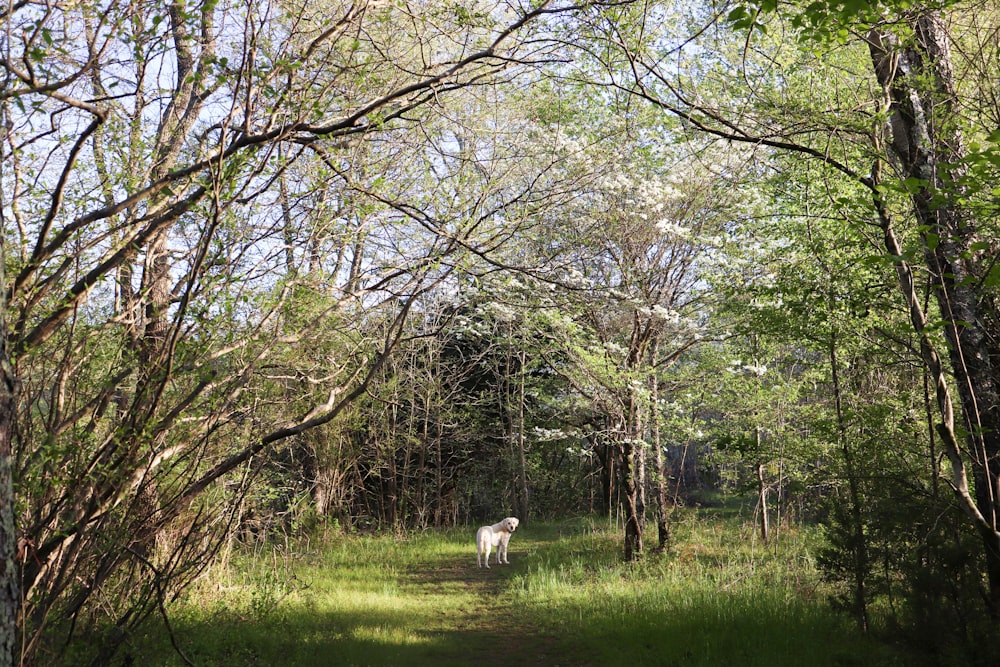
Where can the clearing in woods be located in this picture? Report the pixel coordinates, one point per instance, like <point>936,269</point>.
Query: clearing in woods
<point>566,600</point>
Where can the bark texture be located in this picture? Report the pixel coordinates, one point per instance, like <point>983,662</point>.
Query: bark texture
<point>927,145</point>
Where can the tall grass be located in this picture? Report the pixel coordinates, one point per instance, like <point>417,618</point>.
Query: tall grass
<point>718,597</point>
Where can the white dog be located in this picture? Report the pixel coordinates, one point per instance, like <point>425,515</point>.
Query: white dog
<point>497,535</point>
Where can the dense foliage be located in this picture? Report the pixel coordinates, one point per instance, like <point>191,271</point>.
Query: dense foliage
<point>382,266</point>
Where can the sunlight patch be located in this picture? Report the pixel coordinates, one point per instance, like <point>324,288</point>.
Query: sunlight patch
<point>387,634</point>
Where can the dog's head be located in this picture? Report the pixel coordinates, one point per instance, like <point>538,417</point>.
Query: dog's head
<point>510,523</point>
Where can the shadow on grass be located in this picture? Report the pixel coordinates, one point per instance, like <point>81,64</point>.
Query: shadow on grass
<point>730,630</point>
<point>346,638</point>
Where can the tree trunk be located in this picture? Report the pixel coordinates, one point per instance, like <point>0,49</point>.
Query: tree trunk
<point>640,481</point>
<point>9,592</point>
<point>663,506</point>
<point>441,512</point>
<point>390,489</point>
<point>765,528</point>
<point>521,444</point>
<point>607,457</point>
<point>633,527</point>
<point>920,88</point>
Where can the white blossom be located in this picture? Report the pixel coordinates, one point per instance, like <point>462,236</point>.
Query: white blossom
<point>544,434</point>
<point>668,227</point>
<point>614,348</point>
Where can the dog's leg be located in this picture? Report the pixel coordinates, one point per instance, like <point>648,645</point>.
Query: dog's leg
<point>482,546</point>
<point>485,543</point>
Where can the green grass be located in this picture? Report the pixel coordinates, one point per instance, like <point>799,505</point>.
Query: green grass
<point>719,597</point>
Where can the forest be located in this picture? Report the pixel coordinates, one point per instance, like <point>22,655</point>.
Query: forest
<point>277,267</point>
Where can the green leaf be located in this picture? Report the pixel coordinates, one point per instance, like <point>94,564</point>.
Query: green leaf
<point>741,17</point>
<point>738,15</point>
<point>992,280</point>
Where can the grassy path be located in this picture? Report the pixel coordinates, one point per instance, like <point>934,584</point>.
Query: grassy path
<point>487,629</point>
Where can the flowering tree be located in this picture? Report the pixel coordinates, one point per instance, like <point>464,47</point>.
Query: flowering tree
<point>634,253</point>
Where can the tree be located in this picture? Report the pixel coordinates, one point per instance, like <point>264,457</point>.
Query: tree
<point>161,167</point>
<point>632,252</point>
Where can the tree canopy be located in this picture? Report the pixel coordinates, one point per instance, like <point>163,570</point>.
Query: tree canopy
<point>268,266</point>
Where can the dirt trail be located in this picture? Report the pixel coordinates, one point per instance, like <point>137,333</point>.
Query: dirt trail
<point>490,631</point>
